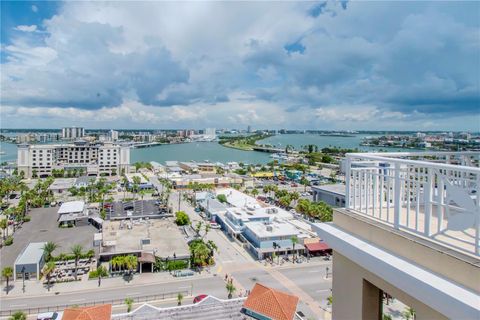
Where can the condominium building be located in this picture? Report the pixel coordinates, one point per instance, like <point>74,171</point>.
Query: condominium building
<point>113,135</point>
<point>92,159</point>
<point>72,132</point>
<point>410,230</point>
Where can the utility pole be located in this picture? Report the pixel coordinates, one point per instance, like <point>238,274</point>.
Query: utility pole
<point>179,199</point>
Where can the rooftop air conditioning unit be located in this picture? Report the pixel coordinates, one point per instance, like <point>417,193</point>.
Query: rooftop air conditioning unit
<point>269,228</point>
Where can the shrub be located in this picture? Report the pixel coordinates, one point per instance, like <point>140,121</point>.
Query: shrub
<point>181,218</point>
<point>27,219</point>
<point>9,241</point>
<point>100,272</point>
<point>176,265</point>
<point>222,198</point>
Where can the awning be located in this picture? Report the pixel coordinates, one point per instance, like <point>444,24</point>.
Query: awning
<point>146,257</point>
<point>317,246</point>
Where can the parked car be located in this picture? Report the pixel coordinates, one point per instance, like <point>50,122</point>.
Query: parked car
<point>199,298</point>
<point>50,316</point>
<point>214,225</point>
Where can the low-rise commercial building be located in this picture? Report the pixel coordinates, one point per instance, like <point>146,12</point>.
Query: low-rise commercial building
<point>90,159</point>
<point>331,194</point>
<point>30,262</point>
<point>271,237</point>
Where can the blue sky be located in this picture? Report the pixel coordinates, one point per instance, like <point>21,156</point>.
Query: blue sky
<point>304,65</point>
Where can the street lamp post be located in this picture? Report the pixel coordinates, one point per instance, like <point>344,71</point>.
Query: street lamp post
<point>23,277</point>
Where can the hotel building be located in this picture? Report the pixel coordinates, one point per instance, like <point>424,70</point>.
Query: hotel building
<point>93,159</point>
<point>410,229</point>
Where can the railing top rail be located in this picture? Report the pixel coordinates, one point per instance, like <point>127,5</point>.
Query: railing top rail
<point>391,158</point>
<point>419,153</point>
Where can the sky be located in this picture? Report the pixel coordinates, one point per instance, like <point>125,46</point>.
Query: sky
<point>335,65</point>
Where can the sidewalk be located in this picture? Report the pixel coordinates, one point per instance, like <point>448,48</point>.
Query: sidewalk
<point>36,288</point>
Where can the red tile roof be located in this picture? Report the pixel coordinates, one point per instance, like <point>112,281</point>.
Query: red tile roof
<point>271,303</point>
<point>100,312</point>
<point>317,246</point>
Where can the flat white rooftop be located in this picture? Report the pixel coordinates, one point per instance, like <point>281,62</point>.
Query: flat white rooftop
<point>273,229</point>
<point>32,254</point>
<point>239,199</point>
<point>71,207</point>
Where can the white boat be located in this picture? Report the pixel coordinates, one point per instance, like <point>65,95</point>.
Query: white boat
<point>279,156</point>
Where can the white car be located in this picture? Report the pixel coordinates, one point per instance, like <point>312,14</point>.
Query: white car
<point>214,225</point>
<point>50,316</point>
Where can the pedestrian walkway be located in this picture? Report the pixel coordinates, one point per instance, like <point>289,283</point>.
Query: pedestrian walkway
<point>35,288</point>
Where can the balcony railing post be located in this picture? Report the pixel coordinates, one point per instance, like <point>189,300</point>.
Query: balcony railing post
<point>477,220</point>
<point>427,192</point>
<point>397,197</point>
<point>347,182</point>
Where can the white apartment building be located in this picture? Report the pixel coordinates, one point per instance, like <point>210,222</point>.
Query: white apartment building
<point>410,229</point>
<point>72,132</point>
<point>94,159</point>
<point>211,133</point>
<point>113,135</point>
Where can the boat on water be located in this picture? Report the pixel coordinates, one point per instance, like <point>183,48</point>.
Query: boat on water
<point>279,156</point>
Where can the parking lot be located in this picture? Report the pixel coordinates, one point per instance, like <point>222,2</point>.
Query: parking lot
<point>134,209</point>
<point>43,227</point>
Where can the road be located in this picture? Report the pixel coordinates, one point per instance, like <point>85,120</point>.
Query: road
<point>211,285</point>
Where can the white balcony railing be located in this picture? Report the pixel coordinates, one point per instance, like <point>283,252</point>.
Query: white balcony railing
<point>434,195</point>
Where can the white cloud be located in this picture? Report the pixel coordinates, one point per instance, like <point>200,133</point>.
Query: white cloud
<point>26,28</point>
<point>225,64</point>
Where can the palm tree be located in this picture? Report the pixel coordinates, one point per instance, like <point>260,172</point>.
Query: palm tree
<point>4,227</point>
<point>136,183</point>
<point>305,183</point>
<point>207,229</point>
<point>198,228</point>
<point>295,196</point>
<point>47,271</point>
<point>409,313</point>
<point>294,240</point>
<point>131,263</point>
<point>179,298</point>
<point>230,289</point>
<point>129,303</point>
<point>125,184</point>
<point>77,251</point>
<point>18,315</point>
<point>48,249</point>
<point>254,192</point>
<point>7,272</point>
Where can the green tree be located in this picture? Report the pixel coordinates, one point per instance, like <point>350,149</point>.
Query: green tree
<point>47,271</point>
<point>181,218</point>
<point>409,313</point>
<point>179,298</point>
<point>198,228</point>
<point>131,264</point>
<point>48,249</point>
<point>4,227</point>
<point>222,198</point>
<point>77,252</point>
<point>129,303</point>
<point>18,315</point>
<point>255,192</point>
<point>330,300</point>
<point>230,289</point>
<point>7,272</point>
<point>294,240</point>
<point>304,181</point>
